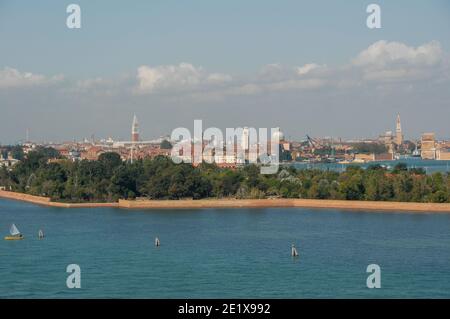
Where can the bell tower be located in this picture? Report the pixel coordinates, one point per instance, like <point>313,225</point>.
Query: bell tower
<point>135,130</point>
<point>398,132</point>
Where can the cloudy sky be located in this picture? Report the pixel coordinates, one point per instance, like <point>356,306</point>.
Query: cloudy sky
<point>309,67</point>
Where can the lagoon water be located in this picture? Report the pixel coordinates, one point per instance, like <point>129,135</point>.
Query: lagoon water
<point>223,253</point>
<point>429,166</point>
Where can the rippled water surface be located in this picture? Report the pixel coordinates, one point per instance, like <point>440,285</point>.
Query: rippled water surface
<point>223,253</point>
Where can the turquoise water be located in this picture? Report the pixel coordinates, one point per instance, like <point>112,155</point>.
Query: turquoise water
<point>229,253</point>
<point>430,166</point>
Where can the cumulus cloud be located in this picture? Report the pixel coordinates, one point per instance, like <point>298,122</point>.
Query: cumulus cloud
<point>184,76</point>
<point>393,61</point>
<point>383,62</point>
<point>12,78</point>
<point>383,53</point>
<point>219,78</point>
<point>277,77</point>
<point>310,67</point>
<point>102,86</point>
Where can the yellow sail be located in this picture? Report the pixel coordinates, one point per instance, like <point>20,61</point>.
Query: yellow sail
<point>14,237</point>
<point>15,233</point>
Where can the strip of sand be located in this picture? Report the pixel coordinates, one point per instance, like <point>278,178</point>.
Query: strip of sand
<point>281,202</point>
<point>241,203</point>
<point>46,201</point>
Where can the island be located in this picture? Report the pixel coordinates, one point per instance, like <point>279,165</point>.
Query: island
<point>44,178</point>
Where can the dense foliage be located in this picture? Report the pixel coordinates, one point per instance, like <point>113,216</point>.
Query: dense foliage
<point>15,151</point>
<point>109,179</point>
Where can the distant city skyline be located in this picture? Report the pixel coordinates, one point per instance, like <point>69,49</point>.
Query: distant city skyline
<point>135,136</point>
<point>307,67</point>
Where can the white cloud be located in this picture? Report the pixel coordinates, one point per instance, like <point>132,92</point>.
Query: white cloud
<point>382,62</point>
<point>102,86</point>
<point>12,78</point>
<point>182,77</point>
<point>393,61</point>
<point>219,78</point>
<point>384,54</point>
<point>308,68</point>
<point>276,77</point>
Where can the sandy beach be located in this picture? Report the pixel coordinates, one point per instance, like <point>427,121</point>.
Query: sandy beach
<point>241,203</point>
<point>46,201</point>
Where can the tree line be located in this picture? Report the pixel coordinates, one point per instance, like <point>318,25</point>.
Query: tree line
<point>109,179</point>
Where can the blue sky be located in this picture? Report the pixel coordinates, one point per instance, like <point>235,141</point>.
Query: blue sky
<point>236,38</point>
<point>231,35</point>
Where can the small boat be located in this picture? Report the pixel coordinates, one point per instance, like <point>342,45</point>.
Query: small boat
<point>15,233</point>
<point>40,234</point>
<point>294,252</point>
<point>157,242</point>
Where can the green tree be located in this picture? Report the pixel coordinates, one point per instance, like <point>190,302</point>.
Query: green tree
<point>17,152</point>
<point>399,168</point>
<point>352,187</point>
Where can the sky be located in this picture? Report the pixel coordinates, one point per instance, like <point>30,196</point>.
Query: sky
<point>308,67</point>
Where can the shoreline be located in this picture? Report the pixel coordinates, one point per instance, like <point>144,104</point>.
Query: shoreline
<point>46,201</point>
<point>241,203</point>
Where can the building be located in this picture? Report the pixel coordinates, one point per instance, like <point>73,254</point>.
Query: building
<point>428,150</point>
<point>286,146</point>
<point>384,157</point>
<point>393,141</point>
<point>92,153</point>
<point>388,140</point>
<point>9,161</point>
<point>398,132</point>
<point>135,130</point>
<point>443,154</point>
<point>443,151</point>
<point>364,158</point>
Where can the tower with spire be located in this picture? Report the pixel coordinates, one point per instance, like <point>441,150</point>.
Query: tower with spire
<point>135,130</point>
<point>398,132</point>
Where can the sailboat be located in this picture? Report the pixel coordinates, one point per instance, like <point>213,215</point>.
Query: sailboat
<point>15,233</point>
<point>157,242</point>
<point>294,252</point>
<point>40,234</point>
